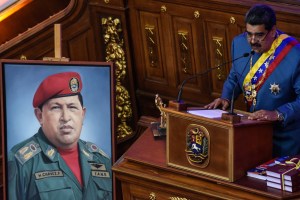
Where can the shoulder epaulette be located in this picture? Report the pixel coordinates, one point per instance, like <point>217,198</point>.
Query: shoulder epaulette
<point>26,152</point>
<point>94,149</point>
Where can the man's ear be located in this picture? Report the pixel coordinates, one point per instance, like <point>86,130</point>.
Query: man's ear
<point>84,111</point>
<point>274,31</point>
<point>38,115</point>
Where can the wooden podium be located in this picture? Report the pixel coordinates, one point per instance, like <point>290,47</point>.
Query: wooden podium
<point>144,174</point>
<point>216,148</point>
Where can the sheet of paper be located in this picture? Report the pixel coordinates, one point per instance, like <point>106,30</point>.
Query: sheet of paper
<point>215,113</point>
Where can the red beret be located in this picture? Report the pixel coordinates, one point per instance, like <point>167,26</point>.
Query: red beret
<point>61,84</point>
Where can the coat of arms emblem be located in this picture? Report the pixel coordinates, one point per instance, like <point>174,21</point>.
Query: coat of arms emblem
<point>197,145</point>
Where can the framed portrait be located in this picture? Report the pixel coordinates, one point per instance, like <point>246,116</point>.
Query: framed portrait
<point>19,82</point>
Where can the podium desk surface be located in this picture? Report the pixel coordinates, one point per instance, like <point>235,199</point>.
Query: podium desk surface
<point>143,169</point>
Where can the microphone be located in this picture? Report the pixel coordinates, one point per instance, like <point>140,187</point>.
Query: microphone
<point>231,112</point>
<point>205,72</point>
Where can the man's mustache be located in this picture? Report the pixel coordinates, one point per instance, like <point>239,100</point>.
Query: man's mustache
<point>255,45</point>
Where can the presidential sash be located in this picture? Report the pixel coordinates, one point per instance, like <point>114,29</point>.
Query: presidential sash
<point>265,65</point>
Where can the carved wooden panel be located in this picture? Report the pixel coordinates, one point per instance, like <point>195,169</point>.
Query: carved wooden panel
<point>152,43</point>
<point>79,46</point>
<point>187,42</point>
<point>218,45</point>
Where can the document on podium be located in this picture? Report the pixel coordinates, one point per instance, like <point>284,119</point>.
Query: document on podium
<point>208,113</point>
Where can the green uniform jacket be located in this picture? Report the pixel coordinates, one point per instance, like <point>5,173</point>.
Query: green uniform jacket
<point>37,171</point>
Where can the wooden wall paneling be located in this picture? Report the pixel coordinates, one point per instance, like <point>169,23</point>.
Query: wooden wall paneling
<point>218,42</point>
<point>153,52</point>
<point>194,34</point>
<point>208,38</point>
<point>32,13</point>
<point>154,70</point>
<point>156,66</point>
<point>190,51</point>
<point>36,34</point>
<point>289,28</point>
<point>159,65</point>
<point>33,48</point>
<point>78,39</point>
<point>78,47</point>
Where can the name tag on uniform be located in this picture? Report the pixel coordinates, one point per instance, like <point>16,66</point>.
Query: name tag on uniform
<point>101,174</point>
<point>47,174</point>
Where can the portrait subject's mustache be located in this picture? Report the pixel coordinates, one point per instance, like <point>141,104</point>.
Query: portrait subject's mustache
<point>65,126</point>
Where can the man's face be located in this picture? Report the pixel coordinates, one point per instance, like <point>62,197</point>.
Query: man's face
<point>61,120</point>
<point>259,38</point>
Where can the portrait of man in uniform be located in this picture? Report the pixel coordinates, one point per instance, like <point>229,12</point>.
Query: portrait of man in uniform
<point>67,152</point>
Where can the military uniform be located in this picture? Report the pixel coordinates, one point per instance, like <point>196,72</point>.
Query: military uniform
<point>37,171</point>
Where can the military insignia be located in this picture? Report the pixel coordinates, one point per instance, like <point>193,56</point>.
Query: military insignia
<point>87,154</point>
<point>98,166</point>
<point>23,150</point>
<point>47,174</point>
<point>197,145</point>
<point>74,85</point>
<point>50,153</point>
<point>93,148</point>
<point>275,89</point>
<point>32,147</point>
<point>28,155</point>
<point>27,152</point>
<point>103,153</point>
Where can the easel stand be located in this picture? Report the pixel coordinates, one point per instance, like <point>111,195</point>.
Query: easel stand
<point>57,46</point>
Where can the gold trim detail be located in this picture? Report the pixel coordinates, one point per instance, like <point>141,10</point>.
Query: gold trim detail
<point>196,14</point>
<point>23,57</point>
<point>114,48</point>
<point>151,44</point>
<point>163,8</point>
<point>232,20</point>
<point>219,57</point>
<point>163,116</point>
<point>177,198</point>
<point>185,54</point>
<point>152,196</point>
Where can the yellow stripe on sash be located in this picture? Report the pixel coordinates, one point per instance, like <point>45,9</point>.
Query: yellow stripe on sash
<point>262,59</point>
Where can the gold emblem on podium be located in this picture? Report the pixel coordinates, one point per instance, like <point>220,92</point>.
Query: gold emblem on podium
<point>197,145</point>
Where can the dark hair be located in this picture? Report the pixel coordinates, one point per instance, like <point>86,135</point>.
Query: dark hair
<point>261,14</point>
<point>79,97</point>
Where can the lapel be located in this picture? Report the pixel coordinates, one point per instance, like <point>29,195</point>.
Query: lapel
<point>86,158</point>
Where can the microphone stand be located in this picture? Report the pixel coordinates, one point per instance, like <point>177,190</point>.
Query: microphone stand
<point>231,116</point>
<point>178,104</point>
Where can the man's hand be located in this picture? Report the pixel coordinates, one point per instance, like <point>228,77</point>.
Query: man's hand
<point>264,115</point>
<point>224,103</point>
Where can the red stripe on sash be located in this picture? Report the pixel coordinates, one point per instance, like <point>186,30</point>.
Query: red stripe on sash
<point>276,62</point>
